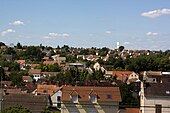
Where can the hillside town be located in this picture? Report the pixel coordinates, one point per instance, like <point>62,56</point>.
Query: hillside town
<point>44,79</point>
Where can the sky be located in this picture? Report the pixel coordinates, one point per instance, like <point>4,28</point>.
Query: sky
<point>136,25</point>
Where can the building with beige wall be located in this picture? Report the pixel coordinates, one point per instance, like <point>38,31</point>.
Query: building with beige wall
<point>155,98</point>
<point>83,99</point>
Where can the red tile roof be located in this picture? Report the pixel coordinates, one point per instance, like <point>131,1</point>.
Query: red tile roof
<point>21,62</point>
<point>34,71</point>
<point>50,73</point>
<point>122,75</point>
<point>83,92</point>
<point>132,110</point>
<point>27,78</point>
<point>49,88</point>
<point>49,62</point>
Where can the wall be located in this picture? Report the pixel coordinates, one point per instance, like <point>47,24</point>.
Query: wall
<point>87,107</point>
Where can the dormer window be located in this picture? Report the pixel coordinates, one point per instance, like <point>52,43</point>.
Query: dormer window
<point>45,91</point>
<point>109,96</point>
<point>93,97</point>
<point>74,96</point>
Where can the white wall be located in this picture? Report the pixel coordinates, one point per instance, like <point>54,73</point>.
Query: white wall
<point>54,98</point>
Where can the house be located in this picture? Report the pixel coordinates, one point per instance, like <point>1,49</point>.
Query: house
<point>54,91</point>
<point>13,91</point>
<point>49,62</point>
<point>48,74</point>
<point>58,59</point>
<point>27,79</point>
<point>126,76</point>
<point>155,98</point>
<point>133,77</point>
<point>7,57</point>
<point>78,66</point>
<point>22,64</point>
<point>36,104</point>
<point>90,99</point>
<point>165,77</point>
<point>152,76</point>
<point>108,70</point>
<point>6,84</point>
<point>47,89</point>
<point>36,73</point>
<point>56,98</point>
<point>96,66</point>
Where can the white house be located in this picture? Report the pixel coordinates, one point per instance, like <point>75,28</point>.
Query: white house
<point>36,73</point>
<point>155,98</point>
<point>97,66</point>
<point>152,76</point>
<point>56,98</point>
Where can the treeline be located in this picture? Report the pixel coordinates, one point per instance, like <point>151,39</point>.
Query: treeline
<point>141,63</point>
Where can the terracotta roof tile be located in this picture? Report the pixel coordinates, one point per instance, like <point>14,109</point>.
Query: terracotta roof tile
<point>49,88</point>
<point>34,71</point>
<point>21,62</point>
<point>122,75</point>
<point>83,93</point>
<point>132,110</point>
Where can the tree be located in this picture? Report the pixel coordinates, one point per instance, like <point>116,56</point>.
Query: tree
<point>19,46</point>
<point>121,48</point>
<point>16,109</point>
<point>2,44</point>
<point>16,78</point>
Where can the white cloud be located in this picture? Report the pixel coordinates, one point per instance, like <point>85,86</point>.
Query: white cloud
<point>151,34</point>
<point>3,33</point>
<point>126,43</point>
<point>108,32</point>
<point>156,13</point>
<point>16,23</point>
<point>58,35</point>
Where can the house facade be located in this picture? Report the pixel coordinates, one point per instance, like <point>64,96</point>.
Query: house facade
<point>36,73</point>
<point>152,76</point>
<point>54,91</point>
<point>81,99</point>
<point>155,98</point>
<point>126,76</point>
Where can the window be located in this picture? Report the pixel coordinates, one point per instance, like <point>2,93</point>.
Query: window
<point>45,91</point>
<point>74,98</point>
<point>93,98</point>
<point>58,98</point>
<point>108,96</point>
<point>59,105</point>
<point>158,108</point>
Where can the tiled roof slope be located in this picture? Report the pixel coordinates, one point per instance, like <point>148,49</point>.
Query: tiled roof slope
<point>104,94</point>
<point>158,89</point>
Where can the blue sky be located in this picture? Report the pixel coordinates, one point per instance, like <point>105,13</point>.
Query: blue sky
<point>87,23</point>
